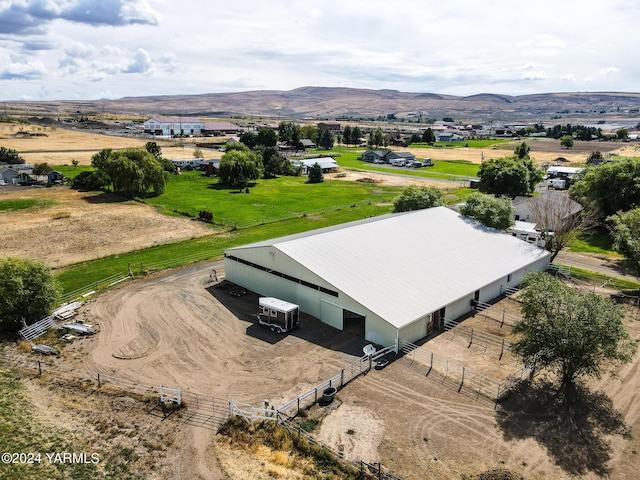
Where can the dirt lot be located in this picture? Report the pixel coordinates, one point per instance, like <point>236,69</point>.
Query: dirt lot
<point>176,329</point>
<point>83,226</point>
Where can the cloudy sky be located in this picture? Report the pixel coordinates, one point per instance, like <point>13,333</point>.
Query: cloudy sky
<point>90,49</point>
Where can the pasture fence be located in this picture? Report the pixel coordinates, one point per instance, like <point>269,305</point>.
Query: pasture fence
<point>365,469</point>
<point>457,375</point>
<point>481,340</point>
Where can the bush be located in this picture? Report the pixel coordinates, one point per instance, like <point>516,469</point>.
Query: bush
<point>91,181</point>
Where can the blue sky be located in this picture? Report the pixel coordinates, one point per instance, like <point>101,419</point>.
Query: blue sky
<point>91,49</point>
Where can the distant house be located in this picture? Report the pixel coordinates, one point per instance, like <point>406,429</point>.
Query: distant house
<point>331,126</point>
<point>406,156</point>
<point>221,128</point>
<point>8,174</point>
<point>307,143</point>
<point>387,156</point>
<point>376,156</point>
<point>397,139</point>
<point>449,137</point>
<point>172,126</point>
<point>327,164</point>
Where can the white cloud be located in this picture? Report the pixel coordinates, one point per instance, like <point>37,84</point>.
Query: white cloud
<point>534,75</point>
<point>463,48</point>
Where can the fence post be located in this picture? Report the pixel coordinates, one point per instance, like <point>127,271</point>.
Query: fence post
<point>504,310</point>
<point>99,384</point>
<point>298,406</point>
<point>462,382</point>
<point>39,368</point>
<point>471,338</point>
<point>342,378</point>
<point>501,350</point>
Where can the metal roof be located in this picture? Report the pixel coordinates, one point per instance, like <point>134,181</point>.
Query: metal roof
<point>404,266</point>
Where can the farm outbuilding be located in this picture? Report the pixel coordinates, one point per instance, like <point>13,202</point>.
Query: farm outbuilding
<point>391,277</point>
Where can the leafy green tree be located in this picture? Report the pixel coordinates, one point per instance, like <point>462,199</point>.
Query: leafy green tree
<point>289,131</point>
<point>315,173</point>
<point>133,171</point>
<point>576,334</point>
<point>626,236</point>
<point>356,135</point>
<point>508,176</point>
<point>8,155</point>
<point>346,135</point>
<point>267,137</point>
<point>99,160</point>
<point>428,136</point>
<point>75,163</point>
<point>326,140</point>
<point>91,181</point>
<point>28,291</point>
<point>42,169</point>
<point>249,139</point>
<point>522,151</point>
<point>594,157</point>
<point>311,132</point>
<point>566,141</point>
<point>417,198</point>
<point>608,188</point>
<point>376,138</point>
<point>622,133</point>
<point>238,167</point>
<point>489,210</point>
<point>154,149</point>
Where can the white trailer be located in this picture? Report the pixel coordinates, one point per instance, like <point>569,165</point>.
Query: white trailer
<point>280,316</point>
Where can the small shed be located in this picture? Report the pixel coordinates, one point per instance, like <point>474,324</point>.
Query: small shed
<point>280,315</point>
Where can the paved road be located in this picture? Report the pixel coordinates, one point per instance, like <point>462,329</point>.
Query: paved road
<point>596,263</point>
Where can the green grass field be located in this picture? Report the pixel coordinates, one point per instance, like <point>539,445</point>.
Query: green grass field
<point>24,203</point>
<point>594,241</point>
<point>267,200</point>
<point>467,143</point>
<point>206,248</point>
<point>442,170</point>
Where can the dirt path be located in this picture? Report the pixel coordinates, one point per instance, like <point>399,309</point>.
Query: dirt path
<point>596,263</point>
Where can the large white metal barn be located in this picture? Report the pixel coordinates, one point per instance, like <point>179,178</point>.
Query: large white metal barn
<point>392,277</point>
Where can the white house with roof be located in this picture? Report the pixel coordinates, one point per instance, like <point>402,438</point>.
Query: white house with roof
<point>171,126</point>
<point>327,164</point>
<point>389,293</point>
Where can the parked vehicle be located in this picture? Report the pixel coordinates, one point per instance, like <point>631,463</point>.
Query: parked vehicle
<point>280,316</point>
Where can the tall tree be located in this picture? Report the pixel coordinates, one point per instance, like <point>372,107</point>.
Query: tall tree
<point>489,210</point>
<point>428,136</point>
<point>376,138</point>
<point>356,135</point>
<point>249,139</point>
<point>315,173</point>
<point>326,140</point>
<point>508,176</point>
<point>558,218</point>
<point>310,132</point>
<point>27,290</point>
<point>239,166</point>
<point>566,141</point>
<point>267,137</point>
<point>608,188</point>
<point>576,334</point>
<point>133,171</point>
<point>154,149</point>
<point>11,156</point>
<point>417,198</point>
<point>522,151</point>
<point>289,131</point>
<point>346,135</point>
<point>622,133</point>
<point>626,237</point>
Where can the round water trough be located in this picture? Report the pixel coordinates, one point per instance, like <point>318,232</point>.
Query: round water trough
<point>381,363</point>
<point>328,394</point>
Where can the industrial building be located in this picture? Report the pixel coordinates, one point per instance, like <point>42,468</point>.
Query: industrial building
<point>392,277</point>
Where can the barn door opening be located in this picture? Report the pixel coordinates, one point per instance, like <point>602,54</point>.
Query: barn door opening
<point>438,318</point>
<point>353,322</point>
